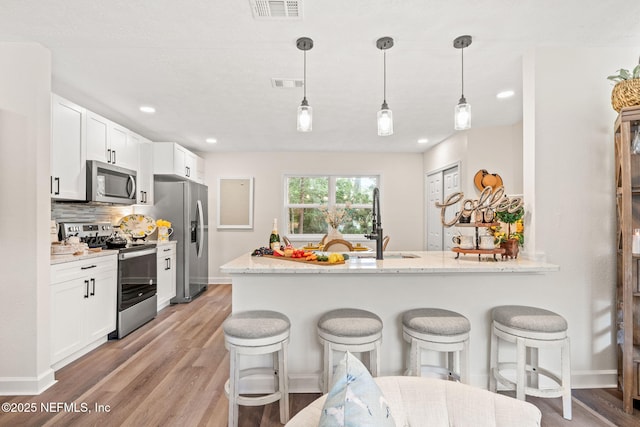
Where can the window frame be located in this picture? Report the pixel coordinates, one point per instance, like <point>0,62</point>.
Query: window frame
<point>332,177</point>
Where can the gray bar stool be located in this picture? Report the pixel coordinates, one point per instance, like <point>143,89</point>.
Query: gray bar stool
<point>353,330</point>
<point>254,333</point>
<point>530,328</point>
<point>437,329</point>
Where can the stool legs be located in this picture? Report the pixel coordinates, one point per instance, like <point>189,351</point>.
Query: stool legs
<point>566,379</point>
<point>234,379</point>
<point>283,384</point>
<point>493,361</point>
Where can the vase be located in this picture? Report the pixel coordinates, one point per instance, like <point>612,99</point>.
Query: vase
<point>332,234</point>
<point>511,248</point>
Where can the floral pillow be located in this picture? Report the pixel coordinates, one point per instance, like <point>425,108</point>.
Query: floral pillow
<point>355,399</point>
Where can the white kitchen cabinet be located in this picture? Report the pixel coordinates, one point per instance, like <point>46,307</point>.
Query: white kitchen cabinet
<point>145,172</point>
<point>200,170</point>
<point>110,143</point>
<point>170,158</point>
<point>166,274</point>
<point>68,150</point>
<point>83,298</point>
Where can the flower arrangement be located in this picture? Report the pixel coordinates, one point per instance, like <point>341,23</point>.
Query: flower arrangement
<point>335,216</point>
<point>509,218</point>
<point>163,223</point>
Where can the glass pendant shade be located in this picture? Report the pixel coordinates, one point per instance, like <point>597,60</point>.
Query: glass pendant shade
<point>463,115</point>
<point>305,117</point>
<point>385,121</point>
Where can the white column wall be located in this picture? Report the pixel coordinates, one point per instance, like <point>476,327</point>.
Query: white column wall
<point>25,118</point>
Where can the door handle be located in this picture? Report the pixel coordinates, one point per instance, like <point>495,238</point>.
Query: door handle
<point>57,179</point>
<point>108,155</point>
<point>167,263</point>
<point>113,152</point>
<point>86,289</point>
<point>131,180</point>
<point>93,286</point>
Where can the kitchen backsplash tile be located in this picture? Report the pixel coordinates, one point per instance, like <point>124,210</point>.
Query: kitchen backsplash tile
<point>81,212</point>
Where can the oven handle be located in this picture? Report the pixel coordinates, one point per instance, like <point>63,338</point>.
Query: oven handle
<point>135,254</point>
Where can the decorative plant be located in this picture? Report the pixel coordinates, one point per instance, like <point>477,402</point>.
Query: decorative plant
<point>510,218</point>
<point>624,74</point>
<point>335,216</point>
<point>163,223</point>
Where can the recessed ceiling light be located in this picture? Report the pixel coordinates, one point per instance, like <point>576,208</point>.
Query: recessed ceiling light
<point>423,141</point>
<point>147,109</point>
<point>505,94</point>
<point>211,140</point>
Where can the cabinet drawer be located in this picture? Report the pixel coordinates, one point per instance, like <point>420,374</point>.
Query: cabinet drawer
<point>70,270</point>
<point>165,251</point>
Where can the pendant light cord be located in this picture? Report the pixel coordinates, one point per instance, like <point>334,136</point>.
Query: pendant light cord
<point>304,84</point>
<point>384,79</point>
<point>462,72</point>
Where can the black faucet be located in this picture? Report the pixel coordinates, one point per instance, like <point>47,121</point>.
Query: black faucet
<point>376,230</point>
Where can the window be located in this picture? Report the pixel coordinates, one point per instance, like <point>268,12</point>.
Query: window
<point>306,195</point>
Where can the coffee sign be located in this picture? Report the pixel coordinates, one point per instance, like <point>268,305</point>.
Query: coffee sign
<point>490,201</point>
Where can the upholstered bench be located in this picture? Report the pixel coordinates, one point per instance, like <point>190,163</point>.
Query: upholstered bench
<point>422,401</point>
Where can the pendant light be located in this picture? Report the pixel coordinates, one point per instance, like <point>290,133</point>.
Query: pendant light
<point>462,119</point>
<point>305,112</point>
<point>385,115</point>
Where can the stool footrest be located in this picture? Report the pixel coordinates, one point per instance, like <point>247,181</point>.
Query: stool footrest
<point>532,391</point>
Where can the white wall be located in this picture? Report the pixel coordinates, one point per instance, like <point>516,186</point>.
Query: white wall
<point>25,89</point>
<point>401,195</point>
<point>496,149</point>
<point>569,146</point>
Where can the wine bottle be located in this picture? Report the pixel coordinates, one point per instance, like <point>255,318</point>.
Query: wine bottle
<point>274,239</point>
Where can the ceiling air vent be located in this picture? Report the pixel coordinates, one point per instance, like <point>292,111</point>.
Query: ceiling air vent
<point>276,9</point>
<point>286,83</point>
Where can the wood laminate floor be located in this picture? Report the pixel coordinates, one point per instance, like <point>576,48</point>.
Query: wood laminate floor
<point>171,372</point>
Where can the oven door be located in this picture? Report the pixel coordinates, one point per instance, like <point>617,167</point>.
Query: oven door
<point>137,277</point>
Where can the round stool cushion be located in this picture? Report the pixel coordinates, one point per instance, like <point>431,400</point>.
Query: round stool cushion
<point>350,322</point>
<point>435,321</point>
<point>529,318</point>
<point>256,324</point>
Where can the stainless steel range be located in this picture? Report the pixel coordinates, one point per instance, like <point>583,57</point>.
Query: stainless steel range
<point>137,274</point>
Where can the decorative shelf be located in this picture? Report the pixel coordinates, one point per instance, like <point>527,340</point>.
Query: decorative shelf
<point>480,252</point>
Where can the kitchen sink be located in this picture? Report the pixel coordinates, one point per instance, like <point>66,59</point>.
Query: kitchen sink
<point>386,256</point>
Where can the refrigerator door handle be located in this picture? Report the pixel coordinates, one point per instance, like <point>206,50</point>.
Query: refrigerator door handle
<point>199,228</point>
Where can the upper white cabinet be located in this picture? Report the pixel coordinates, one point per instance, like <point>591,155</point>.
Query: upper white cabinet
<point>110,143</point>
<point>68,150</point>
<point>145,172</point>
<point>200,170</point>
<point>170,158</point>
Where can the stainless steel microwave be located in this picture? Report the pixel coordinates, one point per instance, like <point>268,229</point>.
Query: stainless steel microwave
<point>110,184</point>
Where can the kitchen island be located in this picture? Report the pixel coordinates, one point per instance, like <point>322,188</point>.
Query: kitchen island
<point>402,281</point>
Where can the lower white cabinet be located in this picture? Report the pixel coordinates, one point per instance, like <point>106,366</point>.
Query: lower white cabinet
<point>166,274</point>
<point>83,306</point>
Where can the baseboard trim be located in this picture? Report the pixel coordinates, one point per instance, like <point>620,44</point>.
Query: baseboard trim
<point>219,280</point>
<point>27,386</point>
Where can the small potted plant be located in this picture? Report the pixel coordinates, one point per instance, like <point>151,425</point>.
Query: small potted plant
<point>626,92</point>
<point>510,241</point>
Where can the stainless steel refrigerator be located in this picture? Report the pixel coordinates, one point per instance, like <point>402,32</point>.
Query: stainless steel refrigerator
<point>185,205</point>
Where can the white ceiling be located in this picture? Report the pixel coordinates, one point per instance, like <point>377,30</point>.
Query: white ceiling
<point>207,65</point>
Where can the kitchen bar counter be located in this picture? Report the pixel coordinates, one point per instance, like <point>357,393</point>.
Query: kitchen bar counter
<point>403,262</point>
<point>387,287</point>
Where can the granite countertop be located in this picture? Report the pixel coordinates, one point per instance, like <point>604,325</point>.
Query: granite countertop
<point>400,262</point>
<point>59,259</point>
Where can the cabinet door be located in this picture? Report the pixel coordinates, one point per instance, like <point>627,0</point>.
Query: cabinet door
<point>68,150</point>
<point>131,155</point>
<point>180,161</point>
<point>67,313</point>
<point>200,170</point>
<point>98,138</point>
<point>166,275</point>
<point>118,144</point>
<point>191,166</point>
<point>145,173</point>
<point>101,306</point>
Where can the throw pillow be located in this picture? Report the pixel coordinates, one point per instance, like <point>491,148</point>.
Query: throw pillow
<point>355,400</point>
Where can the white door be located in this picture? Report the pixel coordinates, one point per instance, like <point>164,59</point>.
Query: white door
<point>451,181</point>
<point>434,225</point>
<point>440,185</point>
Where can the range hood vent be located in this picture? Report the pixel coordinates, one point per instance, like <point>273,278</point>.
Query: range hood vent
<point>286,83</point>
<point>276,9</point>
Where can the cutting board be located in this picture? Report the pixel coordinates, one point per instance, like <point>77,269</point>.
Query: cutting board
<point>302,260</point>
